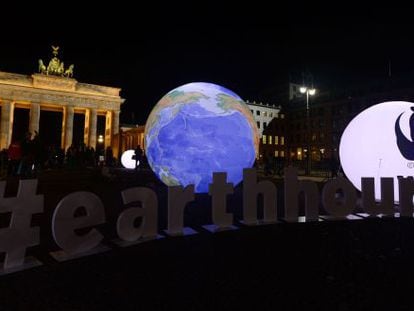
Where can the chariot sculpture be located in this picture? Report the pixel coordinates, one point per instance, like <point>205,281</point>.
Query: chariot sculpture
<point>55,66</point>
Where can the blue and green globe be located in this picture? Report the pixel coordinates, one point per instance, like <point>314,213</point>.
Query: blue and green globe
<point>197,129</point>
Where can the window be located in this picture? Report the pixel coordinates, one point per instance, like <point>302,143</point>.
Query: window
<point>282,116</point>
<point>257,112</point>
<point>258,124</point>
<point>270,139</point>
<point>282,154</point>
<point>264,139</point>
<point>276,140</point>
<point>276,153</point>
<point>282,140</point>
<point>252,111</point>
<point>265,113</point>
<point>264,124</point>
<point>271,114</point>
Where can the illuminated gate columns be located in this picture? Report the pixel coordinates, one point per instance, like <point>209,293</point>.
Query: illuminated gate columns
<point>62,94</point>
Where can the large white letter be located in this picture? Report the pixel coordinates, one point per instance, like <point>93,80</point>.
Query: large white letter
<point>19,235</point>
<point>386,205</point>
<point>178,197</point>
<point>406,188</point>
<point>342,206</point>
<point>293,188</point>
<point>219,190</point>
<point>64,222</point>
<point>125,227</point>
<point>251,189</point>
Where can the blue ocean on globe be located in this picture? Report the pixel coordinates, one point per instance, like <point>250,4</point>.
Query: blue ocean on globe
<point>197,129</point>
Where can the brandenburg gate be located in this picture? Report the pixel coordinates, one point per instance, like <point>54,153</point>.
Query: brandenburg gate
<point>54,89</point>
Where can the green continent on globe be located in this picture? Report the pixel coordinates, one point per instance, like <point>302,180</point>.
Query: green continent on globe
<point>196,130</point>
<point>176,98</point>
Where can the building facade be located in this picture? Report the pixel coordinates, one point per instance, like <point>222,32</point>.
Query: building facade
<point>270,121</point>
<point>330,113</point>
<point>273,142</point>
<point>132,136</point>
<point>54,89</point>
<point>263,114</point>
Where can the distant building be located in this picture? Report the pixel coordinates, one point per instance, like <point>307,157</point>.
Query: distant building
<point>55,90</point>
<point>263,114</point>
<point>270,121</point>
<point>273,141</point>
<point>330,112</point>
<point>132,135</point>
<point>294,92</point>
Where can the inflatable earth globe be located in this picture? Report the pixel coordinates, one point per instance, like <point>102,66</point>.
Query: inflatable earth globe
<point>198,129</point>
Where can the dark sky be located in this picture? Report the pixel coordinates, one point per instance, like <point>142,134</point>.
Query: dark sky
<point>149,52</point>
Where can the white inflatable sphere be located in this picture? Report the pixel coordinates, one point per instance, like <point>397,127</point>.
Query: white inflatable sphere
<point>369,146</point>
<point>127,159</point>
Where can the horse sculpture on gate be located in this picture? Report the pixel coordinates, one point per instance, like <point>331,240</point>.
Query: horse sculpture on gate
<point>42,67</point>
<point>69,72</point>
<point>55,66</point>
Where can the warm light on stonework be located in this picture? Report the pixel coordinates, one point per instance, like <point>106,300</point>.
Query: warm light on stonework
<point>54,89</point>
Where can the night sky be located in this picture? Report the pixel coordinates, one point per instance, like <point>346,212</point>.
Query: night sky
<point>247,51</point>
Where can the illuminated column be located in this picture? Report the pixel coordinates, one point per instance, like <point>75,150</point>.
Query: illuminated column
<point>34,117</point>
<point>108,129</point>
<point>6,126</point>
<point>92,128</point>
<point>116,138</point>
<point>115,120</point>
<point>62,136</point>
<point>86,129</point>
<point>68,126</point>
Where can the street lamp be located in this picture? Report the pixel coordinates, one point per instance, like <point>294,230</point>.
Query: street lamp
<point>308,92</point>
<point>100,139</point>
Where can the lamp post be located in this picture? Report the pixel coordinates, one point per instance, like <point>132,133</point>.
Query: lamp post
<point>101,152</point>
<point>308,92</point>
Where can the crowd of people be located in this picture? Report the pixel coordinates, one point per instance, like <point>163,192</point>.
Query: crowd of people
<point>29,155</point>
<point>273,165</point>
<point>25,157</point>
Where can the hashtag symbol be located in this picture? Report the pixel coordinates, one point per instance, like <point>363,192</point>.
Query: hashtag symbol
<point>15,239</point>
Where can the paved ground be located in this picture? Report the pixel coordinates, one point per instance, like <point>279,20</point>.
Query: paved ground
<point>343,265</point>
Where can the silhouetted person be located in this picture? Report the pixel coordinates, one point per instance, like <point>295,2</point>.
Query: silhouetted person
<point>25,167</point>
<point>280,164</point>
<point>334,167</point>
<point>15,155</point>
<point>137,156</point>
<point>267,159</point>
<point>38,154</point>
<point>109,157</point>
